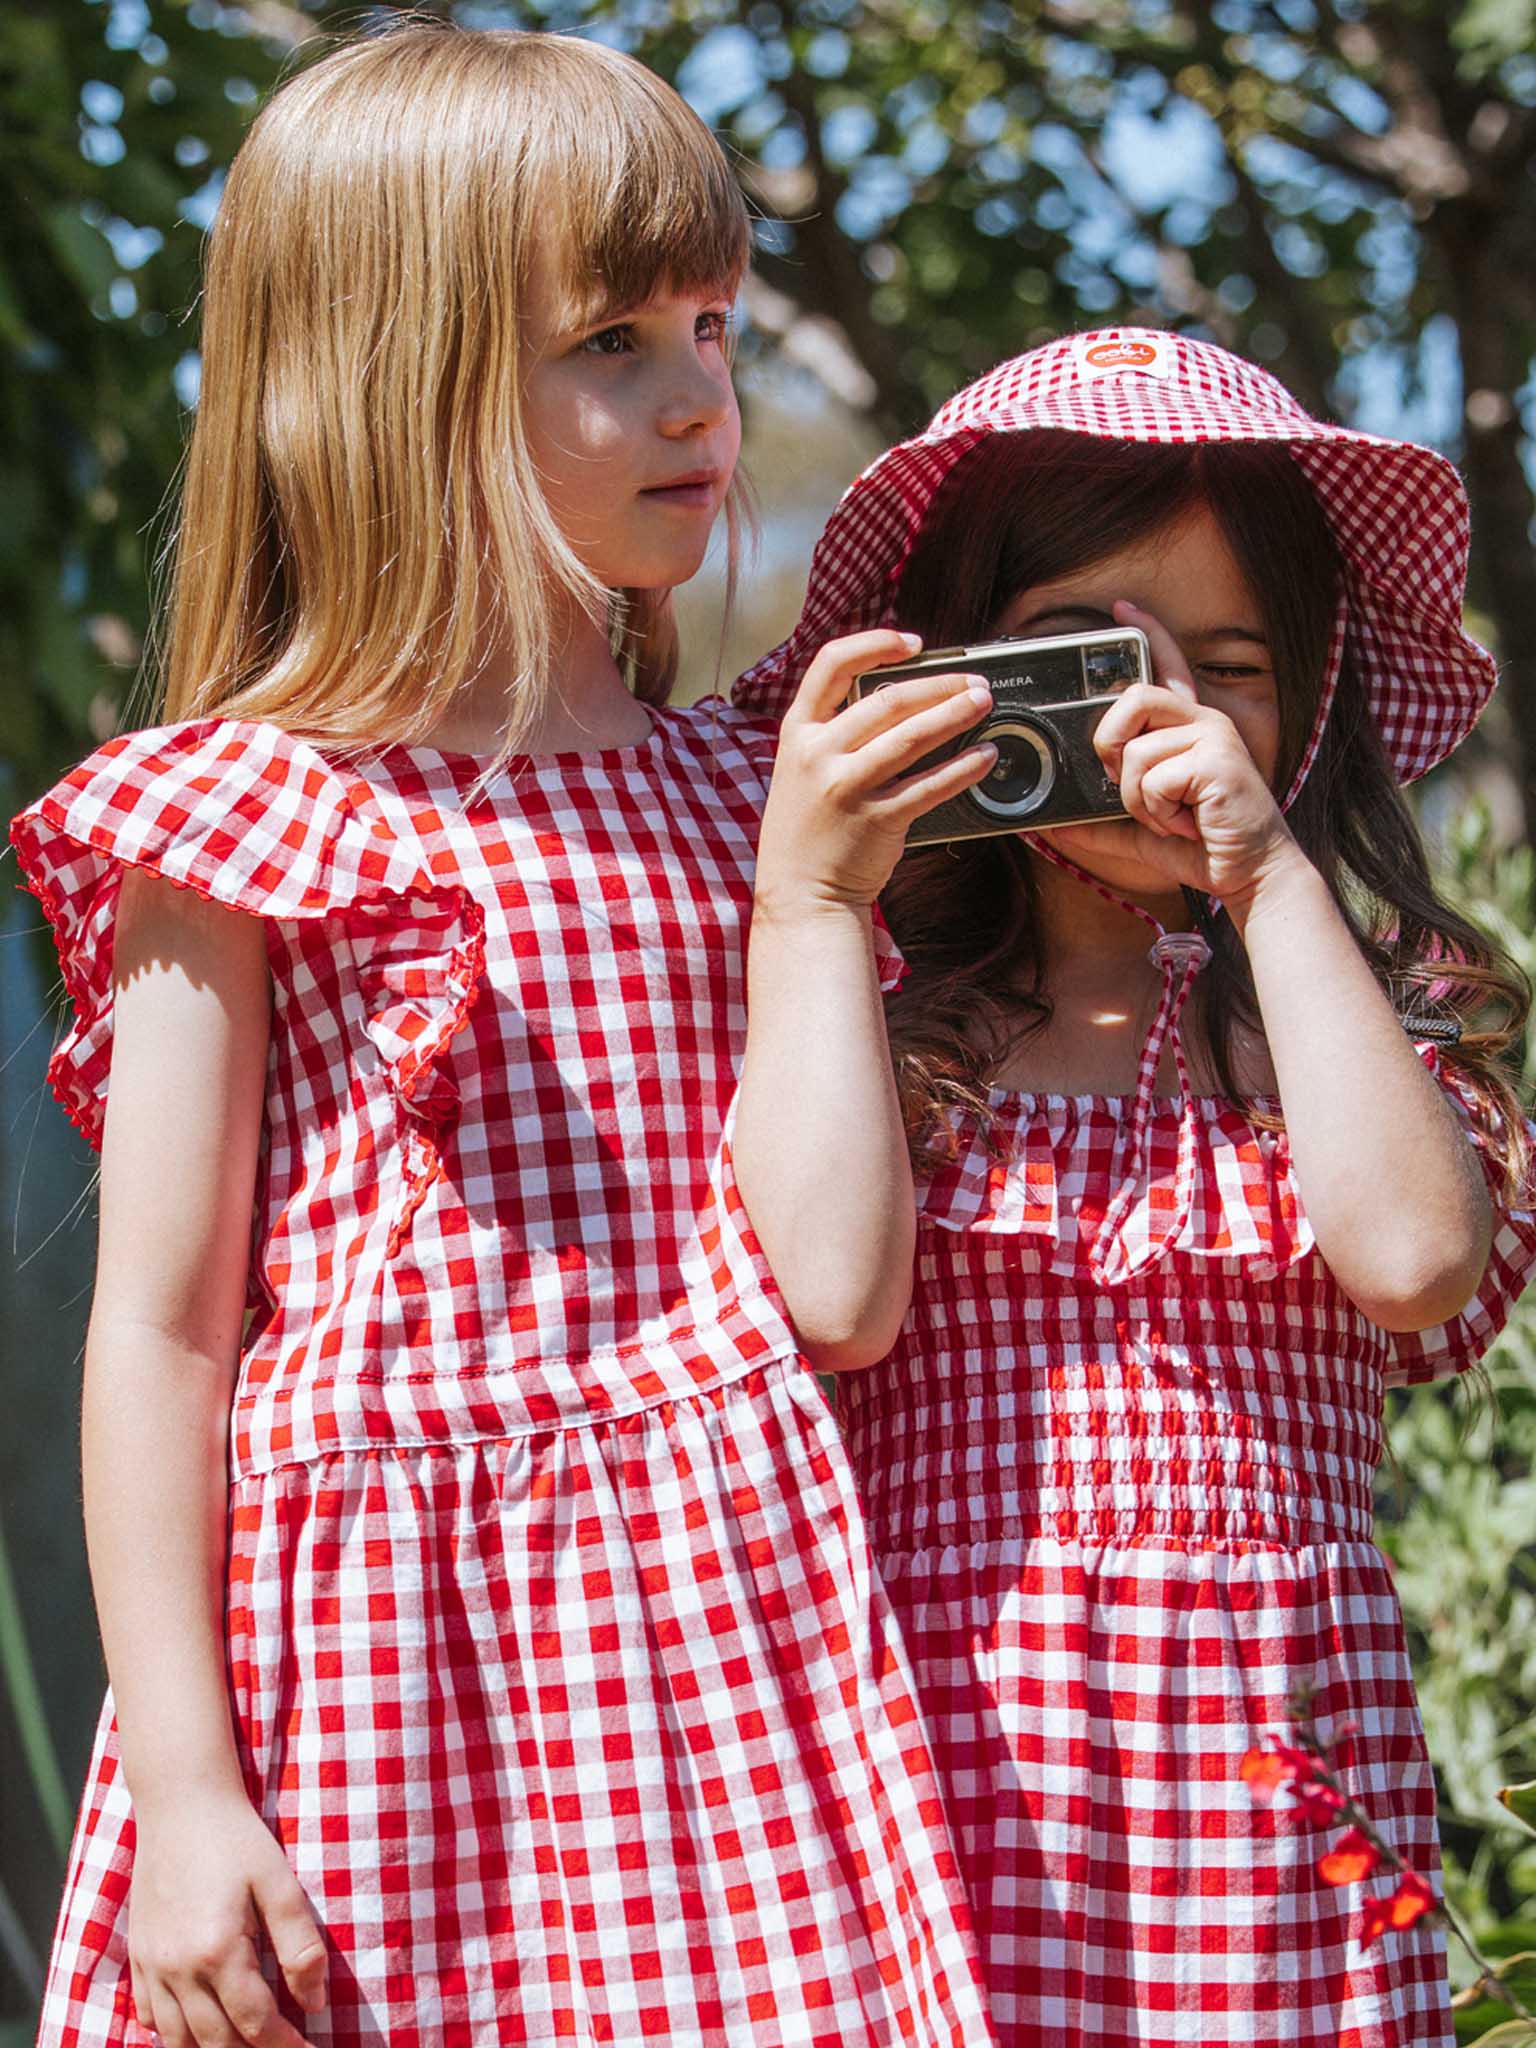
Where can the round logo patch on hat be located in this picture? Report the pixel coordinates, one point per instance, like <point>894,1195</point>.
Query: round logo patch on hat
<point>1099,355</point>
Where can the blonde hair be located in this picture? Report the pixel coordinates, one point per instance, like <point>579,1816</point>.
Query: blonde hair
<point>360,504</point>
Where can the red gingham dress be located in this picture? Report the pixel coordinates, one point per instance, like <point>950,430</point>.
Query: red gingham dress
<point>1120,1526</point>
<point>557,1663</point>
<point>1118,1468</point>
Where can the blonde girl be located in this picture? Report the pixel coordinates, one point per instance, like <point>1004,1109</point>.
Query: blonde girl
<point>494,1652</point>
<point>1211,1143</point>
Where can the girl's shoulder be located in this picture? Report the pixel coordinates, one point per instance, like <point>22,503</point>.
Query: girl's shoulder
<point>240,811</point>
<point>243,815</point>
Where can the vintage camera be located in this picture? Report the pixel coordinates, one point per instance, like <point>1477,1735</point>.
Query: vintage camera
<point>1047,699</point>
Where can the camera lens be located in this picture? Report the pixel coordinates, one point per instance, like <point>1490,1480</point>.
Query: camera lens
<point>1020,779</point>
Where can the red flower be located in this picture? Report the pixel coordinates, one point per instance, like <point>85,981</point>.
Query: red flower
<point>1411,1901</point>
<point>1316,1803</point>
<point>1351,1860</point>
<point>1264,1771</point>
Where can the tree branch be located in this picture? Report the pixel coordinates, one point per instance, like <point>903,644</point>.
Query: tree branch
<point>832,281</point>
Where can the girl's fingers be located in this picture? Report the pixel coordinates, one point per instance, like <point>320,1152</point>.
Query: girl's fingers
<point>169,2021</point>
<point>891,753</point>
<point>1163,798</point>
<point>830,676</point>
<point>246,2002</point>
<point>1181,860</point>
<point>1149,751</point>
<point>245,1997</point>
<point>204,2018</point>
<point>867,717</point>
<point>910,798</point>
<point>1168,663</point>
<point>1144,708</point>
<point>143,2004</point>
<point>296,1940</point>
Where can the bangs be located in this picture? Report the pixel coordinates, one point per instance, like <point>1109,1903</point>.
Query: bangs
<point>646,200</point>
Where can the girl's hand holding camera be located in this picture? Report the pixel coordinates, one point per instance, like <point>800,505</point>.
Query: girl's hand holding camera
<point>1204,813</point>
<point>843,791</point>
<point>1200,808</point>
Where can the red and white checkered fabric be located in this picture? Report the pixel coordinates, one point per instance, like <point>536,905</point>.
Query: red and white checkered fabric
<point>1119,1527</point>
<point>1398,514</point>
<point>557,1662</point>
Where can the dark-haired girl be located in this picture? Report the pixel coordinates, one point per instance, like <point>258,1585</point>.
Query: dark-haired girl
<point>1211,1138</point>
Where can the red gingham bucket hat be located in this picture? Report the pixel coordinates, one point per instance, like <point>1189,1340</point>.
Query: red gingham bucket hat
<point>1398,514</point>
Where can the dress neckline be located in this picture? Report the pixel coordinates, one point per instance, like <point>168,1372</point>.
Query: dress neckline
<point>1118,1104</point>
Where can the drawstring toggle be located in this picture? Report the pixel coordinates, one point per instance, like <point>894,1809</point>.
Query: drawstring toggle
<point>1186,950</point>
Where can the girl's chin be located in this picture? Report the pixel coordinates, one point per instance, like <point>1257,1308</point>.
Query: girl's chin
<point>1104,851</point>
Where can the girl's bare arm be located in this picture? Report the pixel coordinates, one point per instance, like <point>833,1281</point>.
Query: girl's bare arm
<point>178,1172</point>
<point>1391,1183</point>
<point>820,1151</point>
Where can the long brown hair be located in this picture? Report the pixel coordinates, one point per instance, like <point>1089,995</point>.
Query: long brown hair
<point>360,505</point>
<point>1020,510</point>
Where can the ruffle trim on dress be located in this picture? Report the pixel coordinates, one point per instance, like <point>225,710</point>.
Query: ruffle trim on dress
<point>1416,1356</point>
<point>247,817</point>
<point>419,982</point>
<point>1043,1166</point>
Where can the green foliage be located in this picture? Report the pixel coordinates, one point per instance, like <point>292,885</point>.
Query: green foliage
<point>1516,1970</point>
<point>1458,1519</point>
<point>1290,178</point>
<point>115,121</point>
<point>951,183</point>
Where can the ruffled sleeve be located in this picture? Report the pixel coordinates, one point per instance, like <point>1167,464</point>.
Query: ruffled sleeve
<point>1420,1355</point>
<point>249,818</point>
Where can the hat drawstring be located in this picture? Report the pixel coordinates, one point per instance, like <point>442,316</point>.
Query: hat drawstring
<point>1178,957</point>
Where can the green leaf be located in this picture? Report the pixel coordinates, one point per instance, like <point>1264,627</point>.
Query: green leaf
<point>84,251</point>
<point>1476,2010</point>
<point>1488,31</point>
<point>1521,1801</point>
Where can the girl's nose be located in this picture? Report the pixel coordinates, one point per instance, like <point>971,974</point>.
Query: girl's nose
<point>699,400</point>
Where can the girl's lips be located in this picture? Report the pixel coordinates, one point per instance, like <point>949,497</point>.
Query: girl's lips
<point>694,490</point>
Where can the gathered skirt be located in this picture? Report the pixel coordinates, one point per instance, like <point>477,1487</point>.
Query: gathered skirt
<point>586,1734</point>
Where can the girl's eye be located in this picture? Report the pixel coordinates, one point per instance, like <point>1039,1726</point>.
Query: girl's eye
<point>609,341</point>
<point>713,326</point>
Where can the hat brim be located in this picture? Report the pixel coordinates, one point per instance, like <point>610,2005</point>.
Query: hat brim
<point>1397,511</point>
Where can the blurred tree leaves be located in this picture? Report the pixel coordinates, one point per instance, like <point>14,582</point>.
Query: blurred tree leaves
<point>1337,187</point>
<point>115,119</point>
